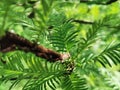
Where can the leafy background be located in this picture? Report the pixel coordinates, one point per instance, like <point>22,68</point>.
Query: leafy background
<point>94,47</point>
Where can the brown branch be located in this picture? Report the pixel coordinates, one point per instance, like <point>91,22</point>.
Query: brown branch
<point>82,21</point>
<point>99,3</point>
<point>12,41</point>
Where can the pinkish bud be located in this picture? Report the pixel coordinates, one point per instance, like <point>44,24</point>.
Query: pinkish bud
<point>65,56</point>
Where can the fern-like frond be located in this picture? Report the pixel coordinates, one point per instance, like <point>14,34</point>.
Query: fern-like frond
<point>64,36</point>
<point>81,52</point>
<point>37,73</point>
<point>109,56</point>
<point>113,80</point>
<point>90,37</point>
<point>46,5</point>
<point>74,82</point>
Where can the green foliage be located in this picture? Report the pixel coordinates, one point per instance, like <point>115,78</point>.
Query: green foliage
<point>63,35</point>
<point>49,23</point>
<point>39,74</point>
<point>74,82</point>
<point>110,55</point>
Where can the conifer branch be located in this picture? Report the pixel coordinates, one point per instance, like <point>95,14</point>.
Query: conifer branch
<point>12,41</point>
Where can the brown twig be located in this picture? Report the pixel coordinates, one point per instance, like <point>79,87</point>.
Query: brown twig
<point>99,3</point>
<point>82,21</point>
<point>12,41</point>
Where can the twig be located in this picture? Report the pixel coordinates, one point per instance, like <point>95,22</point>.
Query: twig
<point>99,3</point>
<point>82,21</point>
<point>111,1</point>
<point>90,23</point>
<point>12,41</point>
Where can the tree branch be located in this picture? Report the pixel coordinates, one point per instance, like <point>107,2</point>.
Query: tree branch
<point>82,21</point>
<point>111,1</point>
<point>90,23</point>
<point>12,41</point>
<point>99,3</point>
